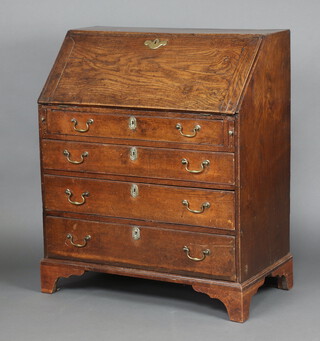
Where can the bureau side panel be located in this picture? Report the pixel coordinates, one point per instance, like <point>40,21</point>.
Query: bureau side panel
<point>264,150</point>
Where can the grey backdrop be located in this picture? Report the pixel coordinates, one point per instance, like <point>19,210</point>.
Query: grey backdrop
<point>116,308</point>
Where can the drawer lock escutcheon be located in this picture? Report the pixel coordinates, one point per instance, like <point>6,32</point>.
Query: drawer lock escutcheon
<point>205,253</point>
<point>194,130</point>
<point>134,190</point>
<point>135,233</point>
<point>133,153</point>
<point>155,44</point>
<point>77,203</point>
<point>204,164</point>
<point>132,123</point>
<point>85,241</point>
<point>203,207</point>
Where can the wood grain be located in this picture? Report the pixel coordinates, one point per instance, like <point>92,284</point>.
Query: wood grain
<point>115,125</point>
<point>193,72</point>
<point>128,221</point>
<point>50,273</point>
<point>236,86</point>
<point>284,275</point>
<point>235,296</point>
<point>237,302</point>
<point>264,152</point>
<point>157,249</point>
<point>154,202</point>
<point>150,163</point>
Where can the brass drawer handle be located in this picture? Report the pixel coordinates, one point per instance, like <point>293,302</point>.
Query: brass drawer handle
<point>203,207</point>
<point>88,123</point>
<point>194,130</point>
<point>85,240</point>
<point>77,203</point>
<point>205,253</point>
<point>155,44</point>
<point>204,164</point>
<point>67,154</point>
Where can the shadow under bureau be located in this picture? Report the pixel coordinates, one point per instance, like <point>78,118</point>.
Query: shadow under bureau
<point>165,154</point>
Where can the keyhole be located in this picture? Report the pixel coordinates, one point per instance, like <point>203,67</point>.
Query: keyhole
<point>135,233</point>
<point>134,190</point>
<point>133,153</point>
<point>132,123</point>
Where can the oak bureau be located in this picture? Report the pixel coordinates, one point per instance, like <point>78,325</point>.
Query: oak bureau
<point>165,154</point>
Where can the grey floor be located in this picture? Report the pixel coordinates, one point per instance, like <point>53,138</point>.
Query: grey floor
<point>107,307</point>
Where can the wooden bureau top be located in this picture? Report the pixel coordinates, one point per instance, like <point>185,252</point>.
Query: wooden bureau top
<point>109,29</point>
<point>164,69</point>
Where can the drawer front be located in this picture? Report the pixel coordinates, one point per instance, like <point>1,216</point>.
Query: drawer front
<point>138,161</point>
<point>160,249</point>
<point>147,128</point>
<point>140,201</point>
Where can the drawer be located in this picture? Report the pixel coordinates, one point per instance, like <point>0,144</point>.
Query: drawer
<point>143,201</point>
<point>138,161</point>
<point>147,247</point>
<point>213,132</point>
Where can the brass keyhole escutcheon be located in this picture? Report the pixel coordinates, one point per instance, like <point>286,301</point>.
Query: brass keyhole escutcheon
<point>133,153</point>
<point>135,233</point>
<point>134,190</point>
<point>132,123</point>
<point>155,44</point>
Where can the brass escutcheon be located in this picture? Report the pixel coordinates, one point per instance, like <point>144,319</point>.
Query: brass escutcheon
<point>133,153</point>
<point>132,123</point>
<point>135,233</point>
<point>155,44</point>
<point>134,190</point>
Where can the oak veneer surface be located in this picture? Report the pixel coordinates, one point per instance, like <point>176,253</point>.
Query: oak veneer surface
<point>113,243</point>
<point>115,124</point>
<point>264,154</point>
<point>154,202</point>
<point>116,159</point>
<point>216,95</point>
<point>193,72</point>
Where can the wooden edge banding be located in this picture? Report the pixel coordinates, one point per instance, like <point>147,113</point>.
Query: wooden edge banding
<point>50,273</point>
